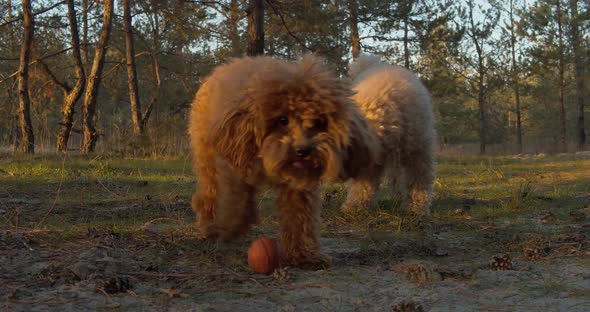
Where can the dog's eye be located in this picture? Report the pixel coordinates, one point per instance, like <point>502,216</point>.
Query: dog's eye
<point>283,120</point>
<point>319,124</point>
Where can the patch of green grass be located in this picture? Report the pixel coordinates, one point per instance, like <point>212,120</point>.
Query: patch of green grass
<point>77,192</point>
<point>66,192</point>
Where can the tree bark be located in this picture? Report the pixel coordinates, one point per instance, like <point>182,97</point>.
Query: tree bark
<point>71,95</point>
<point>9,9</point>
<point>155,67</point>
<point>131,71</point>
<point>27,143</point>
<point>354,29</point>
<point>406,48</point>
<point>562,117</point>
<point>578,73</point>
<point>406,10</point>
<point>480,83</point>
<point>256,27</point>
<point>14,119</point>
<point>482,116</point>
<point>85,9</point>
<point>234,35</point>
<point>93,84</point>
<point>515,82</point>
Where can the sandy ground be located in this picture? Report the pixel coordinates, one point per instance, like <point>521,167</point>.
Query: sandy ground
<point>446,271</point>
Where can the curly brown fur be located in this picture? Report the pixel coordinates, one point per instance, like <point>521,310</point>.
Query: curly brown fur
<point>398,110</point>
<point>259,120</point>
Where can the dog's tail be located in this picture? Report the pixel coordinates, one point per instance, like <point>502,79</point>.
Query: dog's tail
<point>361,63</point>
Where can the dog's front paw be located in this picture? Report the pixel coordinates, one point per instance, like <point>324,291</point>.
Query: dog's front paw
<point>217,232</point>
<point>203,233</point>
<point>313,262</point>
<point>421,210</point>
<point>353,208</point>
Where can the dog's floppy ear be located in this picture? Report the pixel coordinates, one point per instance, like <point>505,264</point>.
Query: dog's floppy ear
<point>363,149</point>
<point>235,138</point>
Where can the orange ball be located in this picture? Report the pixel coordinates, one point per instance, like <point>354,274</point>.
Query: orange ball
<point>264,255</point>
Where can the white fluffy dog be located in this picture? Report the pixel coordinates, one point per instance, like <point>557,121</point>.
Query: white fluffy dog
<point>399,111</point>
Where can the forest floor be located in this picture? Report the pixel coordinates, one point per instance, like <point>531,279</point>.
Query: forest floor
<point>105,233</point>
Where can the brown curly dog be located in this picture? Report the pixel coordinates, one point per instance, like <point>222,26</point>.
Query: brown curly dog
<point>290,125</point>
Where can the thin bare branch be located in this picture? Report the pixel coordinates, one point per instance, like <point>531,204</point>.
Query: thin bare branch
<point>37,60</point>
<point>64,86</point>
<point>20,17</point>
<point>210,3</point>
<point>277,12</point>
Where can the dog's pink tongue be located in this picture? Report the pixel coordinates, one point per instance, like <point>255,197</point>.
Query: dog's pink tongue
<point>298,164</point>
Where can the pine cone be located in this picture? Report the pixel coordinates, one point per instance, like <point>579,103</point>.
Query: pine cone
<point>549,217</point>
<point>577,215</point>
<point>501,263</point>
<point>328,195</point>
<point>407,306</point>
<point>281,274</point>
<point>418,273</point>
<point>533,253</point>
<point>117,285</point>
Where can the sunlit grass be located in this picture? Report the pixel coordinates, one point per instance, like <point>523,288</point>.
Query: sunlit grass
<point>76,192</point>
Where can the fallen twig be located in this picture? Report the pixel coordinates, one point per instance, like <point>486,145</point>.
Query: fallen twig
<point>105,294</point>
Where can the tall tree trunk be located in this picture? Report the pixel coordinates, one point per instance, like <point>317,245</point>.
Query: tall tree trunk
<point>14,120</point>
<point>481,104</point>
<point>354,28</point>
<point>481,71</point>
<point>155,67</point>
<point>562,117</point>
<point>28,138</point>
<point>515,82</point>
<point>406,10</point>
<point>578,73</point>
<point>93,84</point>
<point>256,27</point>
<point>406,48</point>
<point>72,95</point>
<point>9,9</point>
<point>131,72</point>
<point>85,9</point>
<point>234,35</point>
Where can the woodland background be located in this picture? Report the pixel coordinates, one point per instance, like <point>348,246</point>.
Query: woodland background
<point>119,76</point>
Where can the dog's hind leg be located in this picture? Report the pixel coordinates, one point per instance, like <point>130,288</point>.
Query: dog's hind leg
<point>393,179</point>
<point>418,179</point>
<point>362,191</point>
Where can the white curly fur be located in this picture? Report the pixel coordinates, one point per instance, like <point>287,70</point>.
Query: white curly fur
<point>361,63</point>
<point>399,111</point>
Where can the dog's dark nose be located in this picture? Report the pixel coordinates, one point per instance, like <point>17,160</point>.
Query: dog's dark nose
<point>303,151</point>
